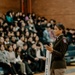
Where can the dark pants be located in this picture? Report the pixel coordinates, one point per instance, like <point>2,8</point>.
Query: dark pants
<point>34,66</point>
<point>28,69</point>
<point>6,68</point>
<point>16,67</point>
<point>41,65</point>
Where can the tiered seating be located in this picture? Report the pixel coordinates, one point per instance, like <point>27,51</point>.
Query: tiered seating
<point>70,54</point>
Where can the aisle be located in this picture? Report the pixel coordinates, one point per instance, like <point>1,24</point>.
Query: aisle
<point>70,71</point>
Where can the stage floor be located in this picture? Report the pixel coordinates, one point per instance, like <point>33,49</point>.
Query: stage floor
<point>70,70</point>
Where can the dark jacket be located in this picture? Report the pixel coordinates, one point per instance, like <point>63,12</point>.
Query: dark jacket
<point>58,54</point>
<point>32,53</point>
<point>25,55</point>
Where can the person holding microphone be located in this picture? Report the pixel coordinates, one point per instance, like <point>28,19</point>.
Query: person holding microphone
<point>58,50</point>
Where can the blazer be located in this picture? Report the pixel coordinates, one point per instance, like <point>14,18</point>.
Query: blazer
<point>60,47</point>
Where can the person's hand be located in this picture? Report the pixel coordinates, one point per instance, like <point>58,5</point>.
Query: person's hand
<point>49,48</point>
<point>29,62</point>
<point>44,58</point>
<point>40,44</point>
<point>36,59</point>
<point>9,64</point>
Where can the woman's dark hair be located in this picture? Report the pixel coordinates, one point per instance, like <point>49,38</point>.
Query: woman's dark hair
<point>61,27</point>
<point>1,45</point>
<point>25,44</point>
<point>17,49</point>
<point>8,13</point>
<point>9,46</point>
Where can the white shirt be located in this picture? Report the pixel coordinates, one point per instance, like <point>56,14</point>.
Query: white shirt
<point>38,54</point>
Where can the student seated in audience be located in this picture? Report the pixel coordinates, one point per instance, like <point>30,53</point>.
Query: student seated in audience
<point>9,17</point>
<point>38,60</point>
<point>1,40</point>
<point>35,60</point>
<point>20,42</point>
<point>26,58</point>
<point>6,40</point>
<point>12,59</point>
<point>4,60</point>
<point>19,60</point>
<point>41,53</point>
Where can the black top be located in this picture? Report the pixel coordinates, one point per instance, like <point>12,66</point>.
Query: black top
<point>58,54</point>
<point>25,56</point>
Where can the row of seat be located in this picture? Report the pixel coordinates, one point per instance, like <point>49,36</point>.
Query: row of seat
<point>70,54</point>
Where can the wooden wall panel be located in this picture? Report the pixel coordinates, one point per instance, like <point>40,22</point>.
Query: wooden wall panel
<point>6,5</point>
<point>61,10</point>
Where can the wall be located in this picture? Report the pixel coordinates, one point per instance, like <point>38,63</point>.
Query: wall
<point>6,5</point>
<point>61,10</point>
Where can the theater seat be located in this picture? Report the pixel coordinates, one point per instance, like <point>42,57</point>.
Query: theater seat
<point>1,71</point>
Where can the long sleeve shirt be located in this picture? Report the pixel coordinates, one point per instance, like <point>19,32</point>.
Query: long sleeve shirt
<point>18,58</point>
<point>38,54</point>
<point>46,36</point>
<point>4,56</point>
<point>12,57</point>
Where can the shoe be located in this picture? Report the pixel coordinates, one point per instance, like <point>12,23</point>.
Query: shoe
<point>36,72</point>
<point>30,73</point>
<point>24,74</point>
<point>9,74</point>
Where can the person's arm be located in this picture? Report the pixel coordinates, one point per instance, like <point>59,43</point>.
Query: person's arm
<point>21,55</point>
<point>61,53</point>
<point>7,61</point>
<point>39,55</point>
<point>30,55</point>
<point>2,57</point>
<point>63,49</point>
